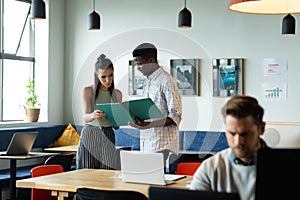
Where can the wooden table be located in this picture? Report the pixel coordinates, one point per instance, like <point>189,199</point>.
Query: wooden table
<point>62,184</point>
<point>72,148</point>
<point>13,167</point>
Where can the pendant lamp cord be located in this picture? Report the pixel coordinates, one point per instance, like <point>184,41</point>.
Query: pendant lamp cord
<point>94,5</point>
<point>185,3</point>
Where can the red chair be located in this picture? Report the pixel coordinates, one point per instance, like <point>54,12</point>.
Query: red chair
<point>187,168</point>
<point>38,194</point>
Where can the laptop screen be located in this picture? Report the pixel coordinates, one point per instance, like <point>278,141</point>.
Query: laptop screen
<point>142,167</point>
<point>277,172</point>
<point>21,143</point>
<point>159,193</point>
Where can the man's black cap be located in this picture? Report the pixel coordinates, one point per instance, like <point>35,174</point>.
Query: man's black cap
<point>145,49</point>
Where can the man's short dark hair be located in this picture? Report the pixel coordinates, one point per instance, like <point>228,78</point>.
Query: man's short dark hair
<point>145,50</point>
<point>241,106</point>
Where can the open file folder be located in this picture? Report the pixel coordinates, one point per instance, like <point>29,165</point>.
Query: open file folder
<point>119,114</point>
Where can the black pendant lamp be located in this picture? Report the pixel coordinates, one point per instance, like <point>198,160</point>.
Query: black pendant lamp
<point>185,18</point>
<point>94,19</point>
<point>38,9</point>
<point>288,25</point>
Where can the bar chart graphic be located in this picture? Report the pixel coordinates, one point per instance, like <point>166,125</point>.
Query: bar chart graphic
<point>274,91</point>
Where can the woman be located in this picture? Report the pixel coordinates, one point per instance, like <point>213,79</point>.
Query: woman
<point>96,148</point>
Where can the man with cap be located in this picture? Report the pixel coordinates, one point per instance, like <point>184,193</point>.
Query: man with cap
<point>158,134</point>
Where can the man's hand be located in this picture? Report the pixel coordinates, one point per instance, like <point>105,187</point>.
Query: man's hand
<point>140,124</point>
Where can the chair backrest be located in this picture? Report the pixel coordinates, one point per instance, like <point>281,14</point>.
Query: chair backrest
<point>93,194</point>
<point>187,168</point>
<point>64,160</point>
<point>37,194</point>
<point>174,159</point>
<point>166,153</point>
<point>118,149</point>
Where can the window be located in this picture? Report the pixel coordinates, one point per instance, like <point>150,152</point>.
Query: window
<point>24,50</point>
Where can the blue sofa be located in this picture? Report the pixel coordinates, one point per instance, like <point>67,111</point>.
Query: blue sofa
<point>204,141</point>
<point>208,141</point>
<point>128,137</point>
<point>46,134</point>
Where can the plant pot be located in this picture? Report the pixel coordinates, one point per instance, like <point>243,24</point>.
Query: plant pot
<point>32,114</point>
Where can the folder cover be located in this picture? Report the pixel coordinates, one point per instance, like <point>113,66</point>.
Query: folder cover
<point>119,114</point>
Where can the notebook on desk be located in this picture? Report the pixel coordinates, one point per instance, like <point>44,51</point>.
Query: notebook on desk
<point>145,167</point>
<point>20,144</point>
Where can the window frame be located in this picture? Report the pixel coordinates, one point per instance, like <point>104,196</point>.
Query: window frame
<point>31,59</point>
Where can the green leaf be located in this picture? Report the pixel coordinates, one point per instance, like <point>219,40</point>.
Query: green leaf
<point>31,99</point>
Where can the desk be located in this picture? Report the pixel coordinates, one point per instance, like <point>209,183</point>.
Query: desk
<point>72,148</point>
<point>64,183</point>
<point>13,167</point>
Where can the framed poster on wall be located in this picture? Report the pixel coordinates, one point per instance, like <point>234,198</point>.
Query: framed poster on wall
<point>186,74</point>
<point>136,80</point>
<point>227,76</point>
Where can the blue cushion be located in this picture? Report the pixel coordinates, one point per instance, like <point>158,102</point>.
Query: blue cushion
<point>208,141</point>
<point>128,137</point>
<point>181,133</point>
<point>78,128</point>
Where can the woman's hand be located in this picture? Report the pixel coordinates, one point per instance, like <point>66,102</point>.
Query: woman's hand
<point>98,114</point>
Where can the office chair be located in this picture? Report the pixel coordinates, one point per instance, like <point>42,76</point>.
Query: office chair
<point>65,160</point>
<point>187,168</point>
<point>41,170</point>
<point>175,159</point>
<point>118,159</point>
<point>93,194</point>
<point>166,153</point>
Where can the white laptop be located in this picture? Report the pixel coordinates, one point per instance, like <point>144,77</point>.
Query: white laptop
<point>20,144</point>
<point>145,167</point>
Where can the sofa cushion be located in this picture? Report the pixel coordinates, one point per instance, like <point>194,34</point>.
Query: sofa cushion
<point>205,141</point>
<point>128,137</point>
<point>68,137</point>
<point>181,133</point>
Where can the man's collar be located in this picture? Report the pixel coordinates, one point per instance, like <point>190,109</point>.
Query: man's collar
<point>252,161</point>
<point>155,73</point>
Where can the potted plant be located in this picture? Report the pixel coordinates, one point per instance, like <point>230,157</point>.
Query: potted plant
<point>32,108</point>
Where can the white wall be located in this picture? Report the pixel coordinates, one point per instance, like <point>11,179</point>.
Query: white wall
<point>283,135</point>
<point>56,61</point>
<point>216,33</point>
